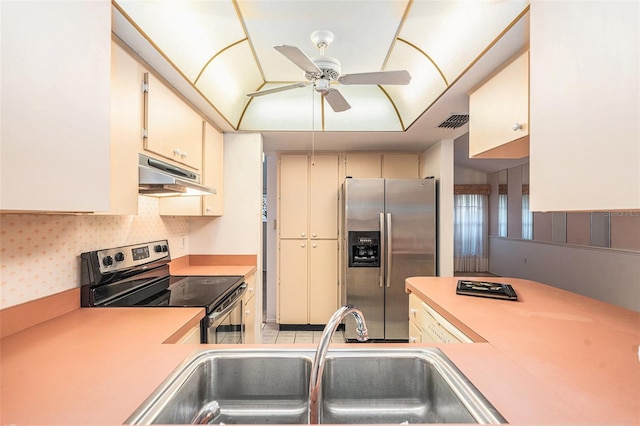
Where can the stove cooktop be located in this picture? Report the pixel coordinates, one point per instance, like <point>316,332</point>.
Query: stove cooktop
<point>190,291</point>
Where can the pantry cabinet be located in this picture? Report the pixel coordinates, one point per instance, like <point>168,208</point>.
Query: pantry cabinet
<point>308,196</point>
<point>308,238</point>
<point>382,165</point>
<point>212,176</point>
<point>499,112</point>
<point>308,281</point>
<point>172,129</point>
<point>56,105</point>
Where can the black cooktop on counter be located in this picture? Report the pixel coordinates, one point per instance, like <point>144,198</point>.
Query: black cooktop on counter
<point>486,289</point>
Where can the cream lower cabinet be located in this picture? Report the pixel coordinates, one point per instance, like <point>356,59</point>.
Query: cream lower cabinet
<point>249,310</point>
<point>212,176</point>
<point>382,165</point>
<point>428,326</point>
<point>308,278</point>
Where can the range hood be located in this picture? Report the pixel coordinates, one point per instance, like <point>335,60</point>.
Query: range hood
<point>160,179</point>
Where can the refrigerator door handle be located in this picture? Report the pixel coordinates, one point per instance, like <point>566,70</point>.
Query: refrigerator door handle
<point>382,254</point>
<point>388,251</point>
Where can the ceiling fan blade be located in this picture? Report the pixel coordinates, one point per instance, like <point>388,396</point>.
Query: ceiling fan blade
<point>380,77</point>
<point>335,99</point>
<point>298,57</point>
<point>278,89</point>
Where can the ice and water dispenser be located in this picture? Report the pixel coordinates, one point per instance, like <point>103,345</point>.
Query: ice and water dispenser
<point>364,249</point>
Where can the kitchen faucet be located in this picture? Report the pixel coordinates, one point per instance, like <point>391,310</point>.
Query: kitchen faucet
<point>321,353</point>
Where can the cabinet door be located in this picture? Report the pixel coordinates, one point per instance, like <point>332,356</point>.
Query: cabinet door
<point>249,318</point>
<point>213,170</point>
<point>292,296</point>
<point>401,166</point>
<point>126,130</point>
<point>294,181</point>
<point>323,196</point>
<point>174,130</point>
<point>495,108</point>
<point>323,280</point>
<point>415,335</point>
<point>363,165</point>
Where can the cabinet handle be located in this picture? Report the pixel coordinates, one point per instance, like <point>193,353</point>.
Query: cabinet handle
<point>315,245</point>
<point>516,127</point>
<point>314,235</point>
<point>303,245</point>
<point>302,234</point>
<point>413,311</point>
<point>184,155</point>
<point>412,339</point>
<point>176,151</point>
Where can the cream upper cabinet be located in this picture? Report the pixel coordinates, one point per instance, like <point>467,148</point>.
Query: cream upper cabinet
<point>127,77</point>
<point>585,149</point>
<point>323,280</point>
<point>323,196</point>
<point>400,166</point>
<point>212,176</point>
<point>173,129</point>
<point>294,190</point>
<point>292,277</point>
<point>382,165</point>
<point>363,165</point>
<point>56,106</point>
<point>499,113</point>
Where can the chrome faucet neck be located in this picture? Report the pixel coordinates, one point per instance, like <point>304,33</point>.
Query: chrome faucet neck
<point>321,353</point>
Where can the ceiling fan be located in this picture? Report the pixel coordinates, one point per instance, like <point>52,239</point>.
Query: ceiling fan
<point>322,71</point>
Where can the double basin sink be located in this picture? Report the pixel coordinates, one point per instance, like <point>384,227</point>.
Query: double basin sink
<point>257,386</point>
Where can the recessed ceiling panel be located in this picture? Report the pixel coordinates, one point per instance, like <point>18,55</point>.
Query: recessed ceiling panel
<point>364,31</point>
<point>189,33</point>
<point>371,110</point>
<point>426,82</point>
<point>454,33</point>
<point>226,80</point>
<point>288,110</point>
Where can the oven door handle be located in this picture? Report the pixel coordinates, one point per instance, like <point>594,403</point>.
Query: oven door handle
<point>214,319</point>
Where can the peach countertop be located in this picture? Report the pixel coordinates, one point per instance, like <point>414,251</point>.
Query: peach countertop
<point>553,357</point>
<point>581,354</point>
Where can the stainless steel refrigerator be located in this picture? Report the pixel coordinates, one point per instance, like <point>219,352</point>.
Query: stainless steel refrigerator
<point>389,234</point>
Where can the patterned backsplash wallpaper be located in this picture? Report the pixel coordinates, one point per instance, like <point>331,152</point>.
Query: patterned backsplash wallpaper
<point>40,253</point>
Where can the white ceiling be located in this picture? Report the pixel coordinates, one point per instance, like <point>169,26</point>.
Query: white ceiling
<point>365,33</point>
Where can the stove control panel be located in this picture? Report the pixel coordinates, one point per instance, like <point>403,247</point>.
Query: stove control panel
<point>118,258</point>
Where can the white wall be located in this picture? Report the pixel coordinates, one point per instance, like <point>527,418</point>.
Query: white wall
<point>239,230</point>
<point>437,161</point>
<point>466,176</point>
<point>604,274</point>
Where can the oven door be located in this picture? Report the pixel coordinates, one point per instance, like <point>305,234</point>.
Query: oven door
<point>224,325</point>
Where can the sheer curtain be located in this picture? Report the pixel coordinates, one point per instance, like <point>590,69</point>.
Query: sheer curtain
<point>502,215</point>
<point>527,219</point>
<point>471,233</point>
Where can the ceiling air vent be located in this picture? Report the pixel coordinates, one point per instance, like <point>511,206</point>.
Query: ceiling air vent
<point>454,121</point>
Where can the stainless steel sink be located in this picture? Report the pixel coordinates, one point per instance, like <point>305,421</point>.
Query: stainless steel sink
<point>359,385</point>
<point>400,387</point>
<point>251,387</point>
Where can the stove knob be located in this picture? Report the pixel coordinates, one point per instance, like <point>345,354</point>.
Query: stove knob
<point>165,248</point>
<point>157,248</point>
<point>119,257</point>
<point>107,261</point>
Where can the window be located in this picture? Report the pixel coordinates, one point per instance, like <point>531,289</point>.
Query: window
<point>470,233</point>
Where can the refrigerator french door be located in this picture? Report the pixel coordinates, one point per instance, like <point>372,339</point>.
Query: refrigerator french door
<point>389,235</point>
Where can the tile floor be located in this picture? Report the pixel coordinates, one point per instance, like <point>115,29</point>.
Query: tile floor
<point>272,335</point>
